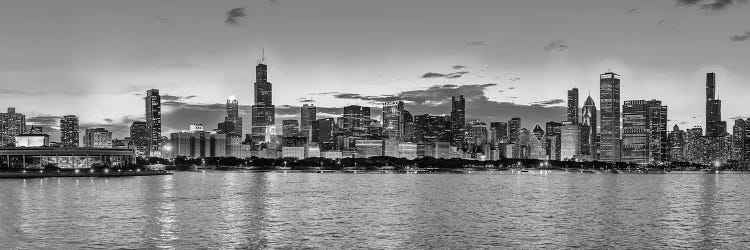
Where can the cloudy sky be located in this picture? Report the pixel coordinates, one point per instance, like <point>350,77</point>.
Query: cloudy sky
<point>96,59</point>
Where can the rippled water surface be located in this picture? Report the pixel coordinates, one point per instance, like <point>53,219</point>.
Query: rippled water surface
<point>258,210</point>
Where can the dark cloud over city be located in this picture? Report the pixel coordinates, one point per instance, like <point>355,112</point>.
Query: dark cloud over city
<point>713,5</point>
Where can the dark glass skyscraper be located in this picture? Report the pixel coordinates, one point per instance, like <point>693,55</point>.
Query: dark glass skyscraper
<point>264,112</point>
<point>713,108</point>
<point>69,133</point>
<point>514,130</point>
<point>609,94</point>
<point>498,132</point>
<point>573,105</point>
<point>458,119</point>
<point>153,122</point>
<point>356,116</point>
<point>307,117</point>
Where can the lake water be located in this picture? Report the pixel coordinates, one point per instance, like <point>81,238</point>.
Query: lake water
<point>277,210</point>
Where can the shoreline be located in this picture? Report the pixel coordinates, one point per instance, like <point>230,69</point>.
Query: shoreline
<point>34,174</point>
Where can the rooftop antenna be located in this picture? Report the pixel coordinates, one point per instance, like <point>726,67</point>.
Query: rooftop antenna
<point>263,54</point>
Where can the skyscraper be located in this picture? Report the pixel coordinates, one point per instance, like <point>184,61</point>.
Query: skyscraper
<point>553,139</point>
<point>307,117</point>
<point>739,133</point>
<point>570,140</point>
<point>659,139</point>
<point>677,144</point>
<point>264,112</point>
<point>153,122</point>
<point>69,134</point>
<point>290,128</point>
<point>537,144</point>
<point>233,118</point>
<point>322,130</point>
<point>514,130</point>
<point>713,108</point>
<point>644,137</point>
<point>635,136</point>
<point>588,129</point>
<point>573,105</point>
<point>356,116</point>
<point>393,120</point>
<point>609,88</point>
<point>498,132</point>
<point>431,128</point>
<point>458,119</point>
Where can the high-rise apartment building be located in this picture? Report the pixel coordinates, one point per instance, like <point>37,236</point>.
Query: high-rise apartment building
<point>11,124</point>
<point>69,131</point>
<point>153,122</point>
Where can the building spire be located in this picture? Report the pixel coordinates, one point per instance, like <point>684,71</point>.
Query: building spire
<point>263,54</point>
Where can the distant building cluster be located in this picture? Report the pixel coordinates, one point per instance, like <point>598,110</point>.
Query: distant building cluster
<point>633,131</point>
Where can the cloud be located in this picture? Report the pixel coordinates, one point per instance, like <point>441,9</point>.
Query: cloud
<point>710,5</point>
<point>234,16</point>
<point>459,67</point>
<point>453,75</point>
<point>168,97</point>
<point>44,121</point>
<point>273,2</point>
<point>558,45</point>
<point>633,11</point>
<point>432,75</point>
<point>437,100</point>
<point>547,103</point>
<point>476,43</point>
<point>515,79</point>
<point>163,20</point>
<point>305,100</point>
<point>740,38</point>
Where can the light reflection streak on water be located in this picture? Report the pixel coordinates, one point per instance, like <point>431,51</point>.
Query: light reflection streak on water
<point>166,217</point>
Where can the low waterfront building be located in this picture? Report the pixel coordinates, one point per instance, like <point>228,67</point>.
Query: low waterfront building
<point>407,150</point>
<point>67,158</point>
<point>293,152</point>
<point>32,139</point>
<point>332,154</point>
<point>369,148</point>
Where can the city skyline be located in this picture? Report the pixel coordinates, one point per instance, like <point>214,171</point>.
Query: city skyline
<point>479,64</point>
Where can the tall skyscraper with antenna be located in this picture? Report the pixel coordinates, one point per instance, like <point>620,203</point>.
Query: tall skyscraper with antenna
<point>264,112</point>
<point>714,125</point>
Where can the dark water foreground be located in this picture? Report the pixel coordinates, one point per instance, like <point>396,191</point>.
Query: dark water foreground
<point>485,210</point>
